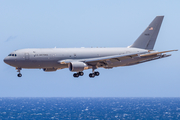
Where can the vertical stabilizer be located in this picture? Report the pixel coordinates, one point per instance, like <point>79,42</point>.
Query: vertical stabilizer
<point>148,38</point>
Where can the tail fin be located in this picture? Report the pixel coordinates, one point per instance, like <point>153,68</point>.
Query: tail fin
<point>148,38</point>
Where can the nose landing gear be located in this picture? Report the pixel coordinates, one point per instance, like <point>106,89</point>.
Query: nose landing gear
<point>19,70</point>
<point>19,75</point>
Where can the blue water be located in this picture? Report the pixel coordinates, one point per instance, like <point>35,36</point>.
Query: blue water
<point>90,108</point>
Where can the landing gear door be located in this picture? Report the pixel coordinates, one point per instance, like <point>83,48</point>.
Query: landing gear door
<point>26,56</point>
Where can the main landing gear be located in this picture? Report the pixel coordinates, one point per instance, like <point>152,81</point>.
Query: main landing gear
<point>92,75</point>
<point>19,70</point>
<point>78,74</point>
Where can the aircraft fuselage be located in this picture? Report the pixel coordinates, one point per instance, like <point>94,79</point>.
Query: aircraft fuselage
<point>49,57</point>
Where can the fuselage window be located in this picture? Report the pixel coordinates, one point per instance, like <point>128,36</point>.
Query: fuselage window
<point>15,55</point>
<point>9,55</point>
<point>12,54</point>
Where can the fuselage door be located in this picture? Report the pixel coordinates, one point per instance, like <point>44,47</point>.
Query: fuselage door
<point>26,56</point>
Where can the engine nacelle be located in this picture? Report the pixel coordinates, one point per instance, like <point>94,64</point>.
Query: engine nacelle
<point>77,66</point>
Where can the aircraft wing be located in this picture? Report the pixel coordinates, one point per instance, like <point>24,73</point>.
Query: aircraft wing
<point>100,59</point>
<point>106,59</point>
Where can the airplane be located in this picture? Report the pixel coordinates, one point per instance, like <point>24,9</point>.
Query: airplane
<point>80,59</point>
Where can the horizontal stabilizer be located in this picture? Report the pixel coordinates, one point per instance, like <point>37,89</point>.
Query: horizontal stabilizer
<point>156,58</point>
<point>155,53</point>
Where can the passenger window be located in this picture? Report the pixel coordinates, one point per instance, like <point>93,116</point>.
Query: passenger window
<point>12,54</point>
<point>9,55</point>
<point>15,55</point>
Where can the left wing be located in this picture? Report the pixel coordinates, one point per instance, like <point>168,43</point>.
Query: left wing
<point>99,59</point>
<point>105,60</point>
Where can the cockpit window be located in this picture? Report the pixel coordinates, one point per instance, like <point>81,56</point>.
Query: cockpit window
<point>12,55</point>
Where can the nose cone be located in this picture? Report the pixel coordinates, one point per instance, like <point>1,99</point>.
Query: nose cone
<point>10,61</point>
<point>7,60</point>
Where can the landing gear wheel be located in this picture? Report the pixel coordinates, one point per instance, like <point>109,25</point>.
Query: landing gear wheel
<point>96,73</point>
<point>76,75</point>
<point>91,75</point>
<point>81,73</point>
<point>19,75</point>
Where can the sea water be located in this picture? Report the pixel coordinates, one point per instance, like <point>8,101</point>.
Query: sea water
<point>90,108</point>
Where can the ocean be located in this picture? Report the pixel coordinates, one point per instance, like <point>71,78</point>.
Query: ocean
<point>59,108</point>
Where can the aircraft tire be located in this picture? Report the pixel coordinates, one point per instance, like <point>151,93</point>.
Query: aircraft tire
<point>76,75</point>
<point>81,73</point>
<point>19,75</point>
<point>91,75</point>
<point>97,73</point>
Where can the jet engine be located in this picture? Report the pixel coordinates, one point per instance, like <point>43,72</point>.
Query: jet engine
<point>77,66</point>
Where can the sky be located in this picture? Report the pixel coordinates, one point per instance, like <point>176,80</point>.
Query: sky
<point>102,23</point>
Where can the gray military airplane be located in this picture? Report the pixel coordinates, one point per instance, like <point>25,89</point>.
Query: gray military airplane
<point>79,59</point>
